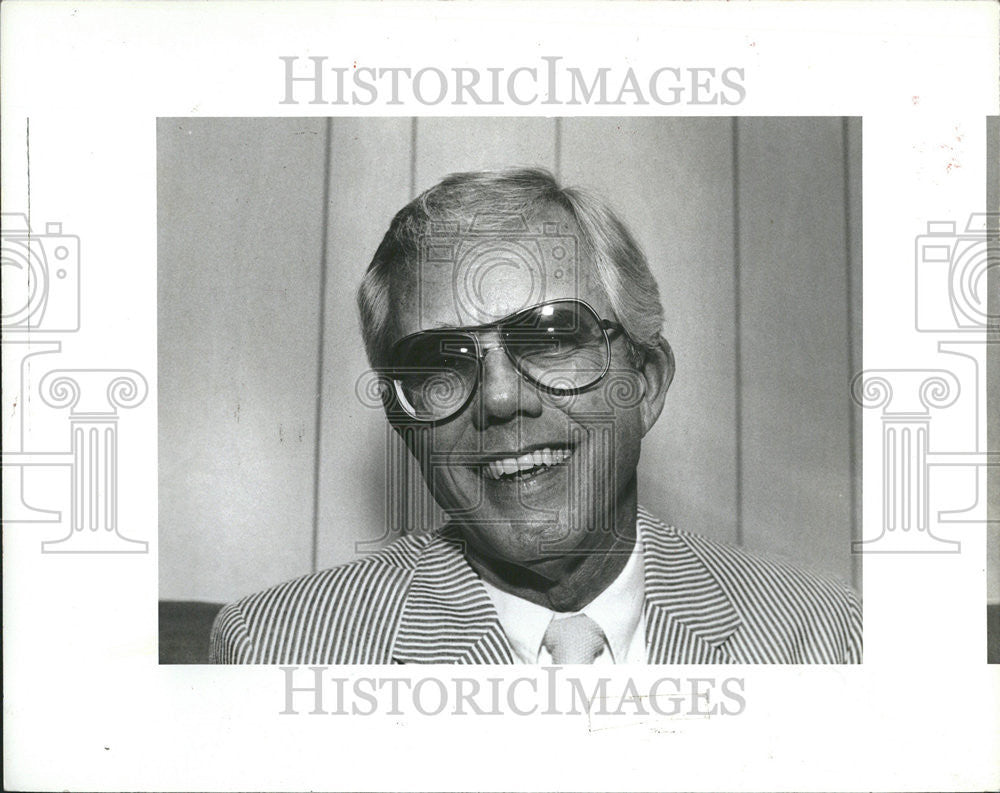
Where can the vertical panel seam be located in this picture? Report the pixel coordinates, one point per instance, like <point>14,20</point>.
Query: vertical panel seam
<point>413,157</point>
<point>558,148</point>
<point>737,335</point>
<point>321,343</point>
<point>400,513</point>
<point>852,363</point>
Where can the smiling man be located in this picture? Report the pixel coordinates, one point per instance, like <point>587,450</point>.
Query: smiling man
<point>516,328</point>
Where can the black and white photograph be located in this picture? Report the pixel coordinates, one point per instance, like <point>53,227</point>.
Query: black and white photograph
<point>500,396</point>
<point>662,462</point>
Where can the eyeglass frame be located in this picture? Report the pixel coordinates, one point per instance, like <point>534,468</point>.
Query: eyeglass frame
<point>608,328</point>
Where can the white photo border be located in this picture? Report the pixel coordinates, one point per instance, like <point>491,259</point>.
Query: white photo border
<point>86,704</point>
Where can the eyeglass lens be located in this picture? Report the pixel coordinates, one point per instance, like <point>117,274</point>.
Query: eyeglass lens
<point>560,346</point>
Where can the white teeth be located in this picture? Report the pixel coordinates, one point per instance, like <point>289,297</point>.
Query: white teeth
<point>512,465</point>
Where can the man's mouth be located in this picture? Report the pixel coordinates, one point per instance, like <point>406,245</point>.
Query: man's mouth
<point>526,465</point>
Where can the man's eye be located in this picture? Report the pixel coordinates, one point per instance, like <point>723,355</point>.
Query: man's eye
<point>551,347</point>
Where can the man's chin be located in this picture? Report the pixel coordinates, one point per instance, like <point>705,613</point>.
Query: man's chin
<point>543,547</point>
<point>532,569</point>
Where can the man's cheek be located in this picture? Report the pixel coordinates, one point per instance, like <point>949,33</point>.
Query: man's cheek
<point>424,454</point>
<point>456,487</point>
<point>610,446</point>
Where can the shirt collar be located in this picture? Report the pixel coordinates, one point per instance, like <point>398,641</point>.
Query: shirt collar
<point>618,610</point>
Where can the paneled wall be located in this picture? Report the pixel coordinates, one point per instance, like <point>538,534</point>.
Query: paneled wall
<point>271,465</point>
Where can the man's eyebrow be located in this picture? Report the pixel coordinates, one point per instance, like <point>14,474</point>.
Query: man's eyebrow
<point>452,326</point>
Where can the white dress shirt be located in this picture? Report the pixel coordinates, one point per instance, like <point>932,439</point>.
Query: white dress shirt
<point>618,610</point>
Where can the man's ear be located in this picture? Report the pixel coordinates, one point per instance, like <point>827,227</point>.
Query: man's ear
<point>657,371</point>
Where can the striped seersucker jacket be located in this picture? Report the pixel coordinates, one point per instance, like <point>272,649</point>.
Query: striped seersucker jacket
<point>419,601</point>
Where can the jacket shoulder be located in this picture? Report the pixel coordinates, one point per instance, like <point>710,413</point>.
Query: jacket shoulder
<point>790,615</point>
<point>345,614</point>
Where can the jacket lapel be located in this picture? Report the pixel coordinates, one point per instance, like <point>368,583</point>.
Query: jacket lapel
<point>448,617</point>
<point>689,617</point>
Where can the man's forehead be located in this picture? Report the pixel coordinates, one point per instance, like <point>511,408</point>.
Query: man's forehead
<point>478,271</point>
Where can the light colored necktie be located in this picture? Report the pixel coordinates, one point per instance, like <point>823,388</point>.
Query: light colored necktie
<point>574,640</point>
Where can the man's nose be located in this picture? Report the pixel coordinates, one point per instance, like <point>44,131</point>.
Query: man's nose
<point>503,393</point>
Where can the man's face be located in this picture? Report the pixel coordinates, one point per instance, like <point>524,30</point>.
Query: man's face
<point>532,477</point>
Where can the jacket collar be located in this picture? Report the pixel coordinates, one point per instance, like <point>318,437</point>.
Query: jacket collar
<point>689,617</point>
<point>449,618</point>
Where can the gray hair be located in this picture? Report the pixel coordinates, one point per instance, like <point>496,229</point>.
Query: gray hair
<point>622,269</point>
